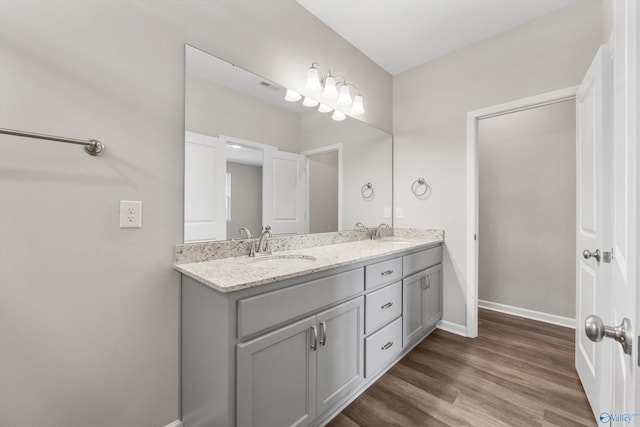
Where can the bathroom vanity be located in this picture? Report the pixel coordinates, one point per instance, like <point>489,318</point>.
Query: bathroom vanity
<point>293,338</point>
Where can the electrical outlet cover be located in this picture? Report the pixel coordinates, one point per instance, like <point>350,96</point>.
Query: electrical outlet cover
<point>130,214</point>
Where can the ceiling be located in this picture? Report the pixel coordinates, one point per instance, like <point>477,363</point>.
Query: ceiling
<point>401,34</point>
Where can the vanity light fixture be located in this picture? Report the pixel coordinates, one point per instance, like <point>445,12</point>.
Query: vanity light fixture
<point>292,96</point>
<point>313,79</point>
<point>338,115</point>
<point>309,102</point>
<point>345,96</point>
<point>358,105</point>
<point>329,90</point>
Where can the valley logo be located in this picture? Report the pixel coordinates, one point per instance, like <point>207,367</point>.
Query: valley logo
<point>607,418</point>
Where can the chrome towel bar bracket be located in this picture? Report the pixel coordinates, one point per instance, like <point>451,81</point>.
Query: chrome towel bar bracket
<point>93,147</point>
<point>367,191</point>
<point>417,187</point>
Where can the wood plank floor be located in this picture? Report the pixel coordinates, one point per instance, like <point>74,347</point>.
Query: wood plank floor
<point>518,372</point>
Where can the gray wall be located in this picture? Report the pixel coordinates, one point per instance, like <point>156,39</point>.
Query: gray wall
<point>430,109</point>
<point>246,199</point>
<point>89,312</point>
<point>527,209</point>
<point>323,192</point>
<point>367,157</point>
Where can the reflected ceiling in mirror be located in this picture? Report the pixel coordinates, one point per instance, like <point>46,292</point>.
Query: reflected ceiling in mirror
<point>253,159</point>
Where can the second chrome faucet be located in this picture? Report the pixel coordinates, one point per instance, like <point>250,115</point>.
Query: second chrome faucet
<point>262,246</point>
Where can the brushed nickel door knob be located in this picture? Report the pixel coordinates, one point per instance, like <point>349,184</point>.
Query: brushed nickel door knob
<point>596,330</point>
<point>588,254</point>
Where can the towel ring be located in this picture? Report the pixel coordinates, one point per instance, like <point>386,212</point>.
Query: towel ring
<point>367,191</point>
<point>415,187</point>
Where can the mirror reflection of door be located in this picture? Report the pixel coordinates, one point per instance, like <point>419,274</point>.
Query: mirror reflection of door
<point>284,192</point>
<point>323,192</point>
<point>204,208</point>
<point>265,186</point>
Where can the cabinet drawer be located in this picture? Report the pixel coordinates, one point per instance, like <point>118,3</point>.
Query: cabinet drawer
<point>421,260</point>
<point>269,309</point>
<point>382,306</point>
<point>382,346</point>
<point>383,272</point>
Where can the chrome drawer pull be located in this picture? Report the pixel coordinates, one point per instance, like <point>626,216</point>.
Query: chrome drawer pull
<point>387,346</point>
<point>323,336</point>
<point>387,305</point>
<point>386,273</point>
<point>314,341</point>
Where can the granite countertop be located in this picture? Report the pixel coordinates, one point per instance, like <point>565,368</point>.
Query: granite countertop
<point>236,273</point>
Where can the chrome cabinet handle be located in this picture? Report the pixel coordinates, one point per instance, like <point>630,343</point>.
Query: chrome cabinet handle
<point>596,330</point>
<point>423,281</point>
<point>428,282</point>
<point>588,254</point>
<point>314,340</point>
<point>387,305</point>
<point>386,273</point>
<point>323,333</point>
<point>387,346</point>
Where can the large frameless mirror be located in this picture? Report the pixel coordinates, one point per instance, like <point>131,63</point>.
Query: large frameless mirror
<point>253,159</point>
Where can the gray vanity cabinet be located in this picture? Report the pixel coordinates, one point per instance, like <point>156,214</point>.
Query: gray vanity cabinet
<point>301,369</point>
<point>297,351</point>
<point>422,303</point>
<point>277,371</point>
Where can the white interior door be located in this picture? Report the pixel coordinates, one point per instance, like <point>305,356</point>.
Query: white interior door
<point>284,197</point>
<point>593,124</point>
<point>204,188</point>
<point>624,266</point>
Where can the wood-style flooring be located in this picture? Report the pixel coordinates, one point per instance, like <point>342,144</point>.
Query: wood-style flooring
<point>518,372</point>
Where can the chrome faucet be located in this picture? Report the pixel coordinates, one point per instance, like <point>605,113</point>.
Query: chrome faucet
<point>247,232</point>
<point>360,226</point>
<point>266,233</point>
<point>376,232</point>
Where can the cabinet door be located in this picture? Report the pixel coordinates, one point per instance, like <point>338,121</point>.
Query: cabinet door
<point>413,315</point>
<point>433,296</point>
<point>276,377</point>
<point>340,352</point>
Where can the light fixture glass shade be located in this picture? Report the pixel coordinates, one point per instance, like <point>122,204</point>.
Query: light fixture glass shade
<point>313,80</point>
<point>309,102</point>
<point>292,96</point>
<point>330,91</point>
<point>344,98</point>
<point>338,116</point>
<point>324,108</point>
<point>358,105</point>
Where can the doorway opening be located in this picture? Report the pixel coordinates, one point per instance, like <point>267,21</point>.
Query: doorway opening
<point>324,184</point>
<point>474,125</point>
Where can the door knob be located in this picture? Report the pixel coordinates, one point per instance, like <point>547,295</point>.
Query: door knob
<point>588,254</point>
<point>596,330</point>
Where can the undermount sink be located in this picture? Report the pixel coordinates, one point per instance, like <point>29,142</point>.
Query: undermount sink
<point>283,260</point>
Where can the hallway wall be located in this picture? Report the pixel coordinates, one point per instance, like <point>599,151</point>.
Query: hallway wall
<point>527,209</point>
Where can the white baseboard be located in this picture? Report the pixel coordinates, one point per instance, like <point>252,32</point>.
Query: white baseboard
<point>176,423</point>
<point>567,322</point>
<point>454,328</point>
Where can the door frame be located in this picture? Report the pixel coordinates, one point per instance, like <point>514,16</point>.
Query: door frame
<point>321,150</point>
<point>473,117</point>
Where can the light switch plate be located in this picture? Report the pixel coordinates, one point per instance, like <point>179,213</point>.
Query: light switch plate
<point>130,214</point>
<point>387,213</point>
<point>399,212</point>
